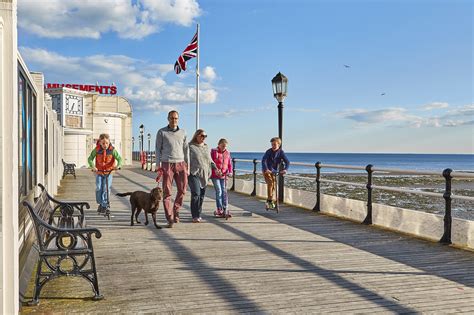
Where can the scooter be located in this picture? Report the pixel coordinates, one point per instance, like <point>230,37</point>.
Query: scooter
<point>106,174</point>
<point>277,206</point>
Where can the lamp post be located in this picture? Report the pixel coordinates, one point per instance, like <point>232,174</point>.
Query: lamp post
<point>280,89</point>
<point>149,152</point>
<point>133,146</point>
<point>142,129</point>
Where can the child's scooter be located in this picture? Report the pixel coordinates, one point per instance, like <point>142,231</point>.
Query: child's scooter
<point>275,206</point>
<point>106,211</point>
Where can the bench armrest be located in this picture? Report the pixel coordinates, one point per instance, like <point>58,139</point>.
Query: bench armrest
<point>54,229</point>
<point>69,206</point>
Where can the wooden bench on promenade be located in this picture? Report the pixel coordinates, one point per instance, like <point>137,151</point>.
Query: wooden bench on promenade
<point>64,242</point>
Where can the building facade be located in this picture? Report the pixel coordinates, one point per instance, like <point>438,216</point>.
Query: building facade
<point>86,115</point>
<point>39,129</point>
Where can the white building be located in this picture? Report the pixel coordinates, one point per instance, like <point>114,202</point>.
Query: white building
<point>86,115</point>
<point>37,130</point>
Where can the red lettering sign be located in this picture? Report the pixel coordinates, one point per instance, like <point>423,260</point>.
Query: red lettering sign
<point>101,89</point>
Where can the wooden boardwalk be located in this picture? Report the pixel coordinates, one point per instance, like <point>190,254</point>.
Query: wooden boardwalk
<point>257,262</point>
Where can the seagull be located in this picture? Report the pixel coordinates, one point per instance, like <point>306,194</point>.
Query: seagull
<point>382,94</point>
<point>347,66</point>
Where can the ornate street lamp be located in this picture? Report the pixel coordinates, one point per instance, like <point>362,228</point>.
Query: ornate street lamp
<point>142,129</point>
<point>149,152</point>
<point>280,89</point>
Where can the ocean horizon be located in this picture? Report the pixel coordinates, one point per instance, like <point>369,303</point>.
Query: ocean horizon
<point>407,161</point>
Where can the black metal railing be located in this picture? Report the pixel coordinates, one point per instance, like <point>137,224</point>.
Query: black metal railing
<point>448,175</point>
<point>448,196</point>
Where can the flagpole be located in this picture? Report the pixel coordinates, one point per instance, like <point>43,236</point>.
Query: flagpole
<point>197,80</point>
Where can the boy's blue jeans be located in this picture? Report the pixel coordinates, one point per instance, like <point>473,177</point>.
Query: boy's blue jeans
<point>100,191</point>
<point>221,192</point>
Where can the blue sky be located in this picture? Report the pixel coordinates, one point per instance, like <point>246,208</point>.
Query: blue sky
<point>419,53</point>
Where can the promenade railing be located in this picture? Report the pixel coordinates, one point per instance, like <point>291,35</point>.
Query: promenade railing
<point>149,159</point>
<point>448,175</point>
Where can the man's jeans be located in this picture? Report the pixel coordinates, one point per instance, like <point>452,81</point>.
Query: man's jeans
<point>197,196</point>
<point>178,172</point>
<point>221,192</point>
<point>100,191</point>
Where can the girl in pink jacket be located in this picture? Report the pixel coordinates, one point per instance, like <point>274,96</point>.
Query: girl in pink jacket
<point>222,158</point>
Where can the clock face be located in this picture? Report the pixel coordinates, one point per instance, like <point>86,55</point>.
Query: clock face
<point>73,105</point>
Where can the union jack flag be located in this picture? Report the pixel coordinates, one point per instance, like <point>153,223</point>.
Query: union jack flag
<point>189,52</point>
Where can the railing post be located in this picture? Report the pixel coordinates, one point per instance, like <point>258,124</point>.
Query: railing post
<point>281,184</point>
<point>448,219</point>
<point>317,207</point>
<point>368,218</point>
<point>233,175</point>
<point>254,192</point>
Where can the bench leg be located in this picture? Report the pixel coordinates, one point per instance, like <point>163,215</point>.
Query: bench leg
<point>38,285</point>
<point>95,283</point>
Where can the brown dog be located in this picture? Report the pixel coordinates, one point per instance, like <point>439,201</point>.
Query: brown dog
<point>147,201</point>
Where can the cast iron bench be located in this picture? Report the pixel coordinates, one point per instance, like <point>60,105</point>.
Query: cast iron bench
<point>64,242</point>
<point>69,168</point>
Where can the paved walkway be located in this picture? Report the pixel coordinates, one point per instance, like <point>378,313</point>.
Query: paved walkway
<point>292,262</point>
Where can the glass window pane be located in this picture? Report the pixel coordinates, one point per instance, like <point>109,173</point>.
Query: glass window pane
<point>22,134</point>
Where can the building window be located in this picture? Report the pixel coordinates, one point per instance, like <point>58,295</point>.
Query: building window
<point>46,163</point>
<point>27,134</point>
<point>22,135</point>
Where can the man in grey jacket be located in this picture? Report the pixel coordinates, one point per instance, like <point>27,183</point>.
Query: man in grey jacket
<point>172,158</point>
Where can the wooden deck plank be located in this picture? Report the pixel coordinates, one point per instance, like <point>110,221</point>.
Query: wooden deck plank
<point>292,262</point>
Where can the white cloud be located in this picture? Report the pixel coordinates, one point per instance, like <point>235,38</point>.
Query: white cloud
<point>91,19</point>
<point>400,117</point>
<point>304,110</point>
<point>435,105</point>
<point>142,83</point>
<point>238,112</point>
<point>208,96</point>
<point>463,111</point>
<point>375,116</point>
<point>209,74</point>
<point>455,123</point>
<point>182,12</point>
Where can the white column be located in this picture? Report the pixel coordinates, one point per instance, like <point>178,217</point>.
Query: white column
<point>9,156</point>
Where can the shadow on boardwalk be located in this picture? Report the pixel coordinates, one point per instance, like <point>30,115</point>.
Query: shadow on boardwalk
<point>294,261</point>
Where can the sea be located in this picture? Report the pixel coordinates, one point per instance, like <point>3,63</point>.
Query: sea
<point>417,162</point>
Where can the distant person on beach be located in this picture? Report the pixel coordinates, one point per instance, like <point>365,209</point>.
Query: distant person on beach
<point>107,159</point>
<point>172,158</point>
<point>271,166</point>
<point>222,159</point>
<point>200,165</point>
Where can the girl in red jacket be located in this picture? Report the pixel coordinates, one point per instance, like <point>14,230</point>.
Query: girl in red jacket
<point>222,158</point>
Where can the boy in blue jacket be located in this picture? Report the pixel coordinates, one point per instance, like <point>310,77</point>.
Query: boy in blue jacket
<point>270,167</point>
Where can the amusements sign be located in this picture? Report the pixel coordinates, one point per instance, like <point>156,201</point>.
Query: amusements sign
<point>101,89</point>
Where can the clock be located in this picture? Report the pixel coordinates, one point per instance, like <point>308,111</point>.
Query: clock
<point>73,105</point>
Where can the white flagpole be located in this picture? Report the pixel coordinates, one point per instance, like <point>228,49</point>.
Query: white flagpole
<point>197,80</point>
